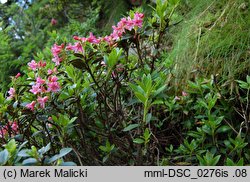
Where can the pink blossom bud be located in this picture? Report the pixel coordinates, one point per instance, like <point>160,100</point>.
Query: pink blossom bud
<point>53,21</point>
<point>18,75</point>
<point>184,94</point>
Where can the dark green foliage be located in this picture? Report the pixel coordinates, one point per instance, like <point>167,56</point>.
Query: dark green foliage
<point>173,92</point>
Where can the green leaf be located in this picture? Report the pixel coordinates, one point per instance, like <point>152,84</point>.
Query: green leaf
<point>131,127</point>
<point>223,129</point>
<point>229,162</point>
<point>240,162</point>
<point>174,2</point>
<point>78,55</point>
<point>207,129</point>
<point>159,90</point>
<point>11,146</point>
<point>62,153</point>
<point>63,96</point>
<point>103,148</point>
<point>193,85</point>
<point>147,81</point>
<point>202,103</point>
<point>136,88</point>
<point>78,63</point>
<point>105,158</point>
<point>4,157</point>
<point>54,118</point>
<point>201,160</point>
<point>113,57</point>
<point>15,104</point>
<point>215,160</point>
<point>72,120</point>
<point>158,102</point>
<point>2,99</point>
<point>68,164</point>
<point>70,72</point>
<point>24,153</point>
<point>141,97</point>
<point>138,141</point>
<point>248,79</point>
<point>146,134</point>
<point>243,84</point>
<point>148,118</point>
<point>29,162</point>
<point>43,150</point>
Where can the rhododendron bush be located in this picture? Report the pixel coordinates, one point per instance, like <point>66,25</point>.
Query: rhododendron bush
<point>78,94</point>
<point>101,100</point>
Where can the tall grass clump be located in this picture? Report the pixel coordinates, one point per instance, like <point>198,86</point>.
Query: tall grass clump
<point>213,39</point>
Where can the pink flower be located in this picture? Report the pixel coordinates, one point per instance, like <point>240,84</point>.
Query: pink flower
<point>50,118</point>
<point>116,35</point>
<point>118,31</point>
<point>57,60</point>
<point>92,39</point>
<point>42,101</point>
<point>177,98</point>
<point>31,105</point>
<point>184,94</point>
<point>77,47</point>
<point>129,24</point>
<point>138,19</point>
<point>77,38</point>
<point>108,39</point>
<point>53,79</point>
<point>83,39</point>
<point>18,75</point>
<point>40,81</point>
<point>33,65</point>
<point>11,93</point>
<point>53,87</point>
<point>122,23</point>
<point>41,64</point>
<point>52,71</point>
<point>56,49</point>
<point>3,132</point>
<point>53,21</point>
<point>36,89</point>
<point>103,63</point>
<point>139,15</point>
<point>14,126</point>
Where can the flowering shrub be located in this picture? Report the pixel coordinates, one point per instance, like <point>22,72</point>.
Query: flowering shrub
<point>52,93</point>
<point>105,98</point>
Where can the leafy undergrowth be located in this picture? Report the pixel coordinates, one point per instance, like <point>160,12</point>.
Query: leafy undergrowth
<point>116,99</point>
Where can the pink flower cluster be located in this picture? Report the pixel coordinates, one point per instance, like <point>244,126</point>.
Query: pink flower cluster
<point>56,50</point>
<point>34,65</point>
<point>118,31</point>
<point>49,83</point>
<point>127,24</point>
<point>4,130</point>
<point>77,47</point>
<point>11,93</point>
<point>42,87</point>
